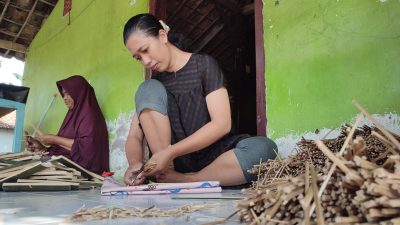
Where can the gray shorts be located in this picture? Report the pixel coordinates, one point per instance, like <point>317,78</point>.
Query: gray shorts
<point>152,95</point>
<point>251,150</point>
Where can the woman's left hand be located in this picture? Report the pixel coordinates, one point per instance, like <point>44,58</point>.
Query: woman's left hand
<point>162,159</point>
<point>46,139</point>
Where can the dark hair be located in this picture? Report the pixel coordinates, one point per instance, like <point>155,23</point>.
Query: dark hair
<point>145,22</point>
<point>150,25</point>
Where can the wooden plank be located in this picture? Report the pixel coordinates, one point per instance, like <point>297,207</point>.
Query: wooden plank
<point>4,175</point>
<point>26,158</point>
<point>52,173</point>
<point>62,167</point>
<point>67,162</point>
<point>82,184</point>
<point>69,177</point>
<point>17,166</point>
<point>47,182</point>
<point>12,155</point>
<point>12,46</point>
<point>24,173</point>
<point>36,187</point>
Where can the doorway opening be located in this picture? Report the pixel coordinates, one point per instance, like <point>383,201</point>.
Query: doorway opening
<point>227,31</point>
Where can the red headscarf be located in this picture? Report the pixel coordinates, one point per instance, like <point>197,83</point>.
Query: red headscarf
<point>85,124</point>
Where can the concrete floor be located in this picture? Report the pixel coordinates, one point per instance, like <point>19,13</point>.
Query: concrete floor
<point>18,208</point>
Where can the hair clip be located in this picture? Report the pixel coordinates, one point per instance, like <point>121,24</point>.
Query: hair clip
<point>165,26</point>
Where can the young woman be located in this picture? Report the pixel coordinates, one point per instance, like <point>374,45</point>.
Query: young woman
<point>184,115</point>
<point>83,135</point>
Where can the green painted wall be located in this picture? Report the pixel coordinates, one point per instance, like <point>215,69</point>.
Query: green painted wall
<point>322,54</point>
<point>319,56</point>
<point>92,46</point>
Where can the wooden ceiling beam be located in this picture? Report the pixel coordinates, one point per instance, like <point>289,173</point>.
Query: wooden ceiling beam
<point>205,30</point>
<point>172,16</point>
<point>12,21</point>
<point>4,10</point>
<point>24,24</point>
<point>12,46</point>
<point>209,37</point>
<point>4,31</point>
<point>205,15</point>
<point>188,15</point>
<point>27,10</point>
<point>48,3</point>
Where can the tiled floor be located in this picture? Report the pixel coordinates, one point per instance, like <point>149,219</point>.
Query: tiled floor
<point>18,208</point>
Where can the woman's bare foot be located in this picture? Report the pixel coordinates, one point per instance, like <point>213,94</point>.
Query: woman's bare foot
<point>172,176</point>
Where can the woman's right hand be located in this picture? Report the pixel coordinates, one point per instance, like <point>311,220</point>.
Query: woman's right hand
<point>33,145</point>
<point>131,173</point>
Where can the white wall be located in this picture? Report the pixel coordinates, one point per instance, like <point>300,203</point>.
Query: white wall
<point>6,140</point>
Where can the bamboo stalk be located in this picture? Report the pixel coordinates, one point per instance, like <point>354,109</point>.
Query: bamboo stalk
<point>320,217</point>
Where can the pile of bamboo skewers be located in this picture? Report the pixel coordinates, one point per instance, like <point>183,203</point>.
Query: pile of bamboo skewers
<point>353,179</point>
<point>101,212</point>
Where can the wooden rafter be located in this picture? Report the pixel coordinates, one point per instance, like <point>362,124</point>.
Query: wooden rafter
<point>205,15</point>
<point>209,37</point>
<point>188,15</point>
<point>12,34</point>
<point>12,21</point>
<point>176,10</point>
<point>4,10</point>
<point>205,30</point>
<point>27,10</point>
<point>23,25</point>
<point>48,3</point>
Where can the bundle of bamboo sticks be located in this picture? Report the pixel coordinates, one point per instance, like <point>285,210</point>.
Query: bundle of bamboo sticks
<point>353,179</point>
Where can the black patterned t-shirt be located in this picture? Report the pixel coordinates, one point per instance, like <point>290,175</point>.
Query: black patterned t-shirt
<point>187,109</point>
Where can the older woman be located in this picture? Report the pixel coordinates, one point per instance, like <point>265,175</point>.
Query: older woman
<point>83,134</point>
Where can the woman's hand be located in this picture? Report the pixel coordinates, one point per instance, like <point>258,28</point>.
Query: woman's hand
<point>33,145</point>
<point>47,139</point>
<point>131,173</point>
<point>162,160</point>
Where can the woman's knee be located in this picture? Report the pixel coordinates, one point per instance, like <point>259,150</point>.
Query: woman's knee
<point>151,95</point>
<point>251,151</point>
